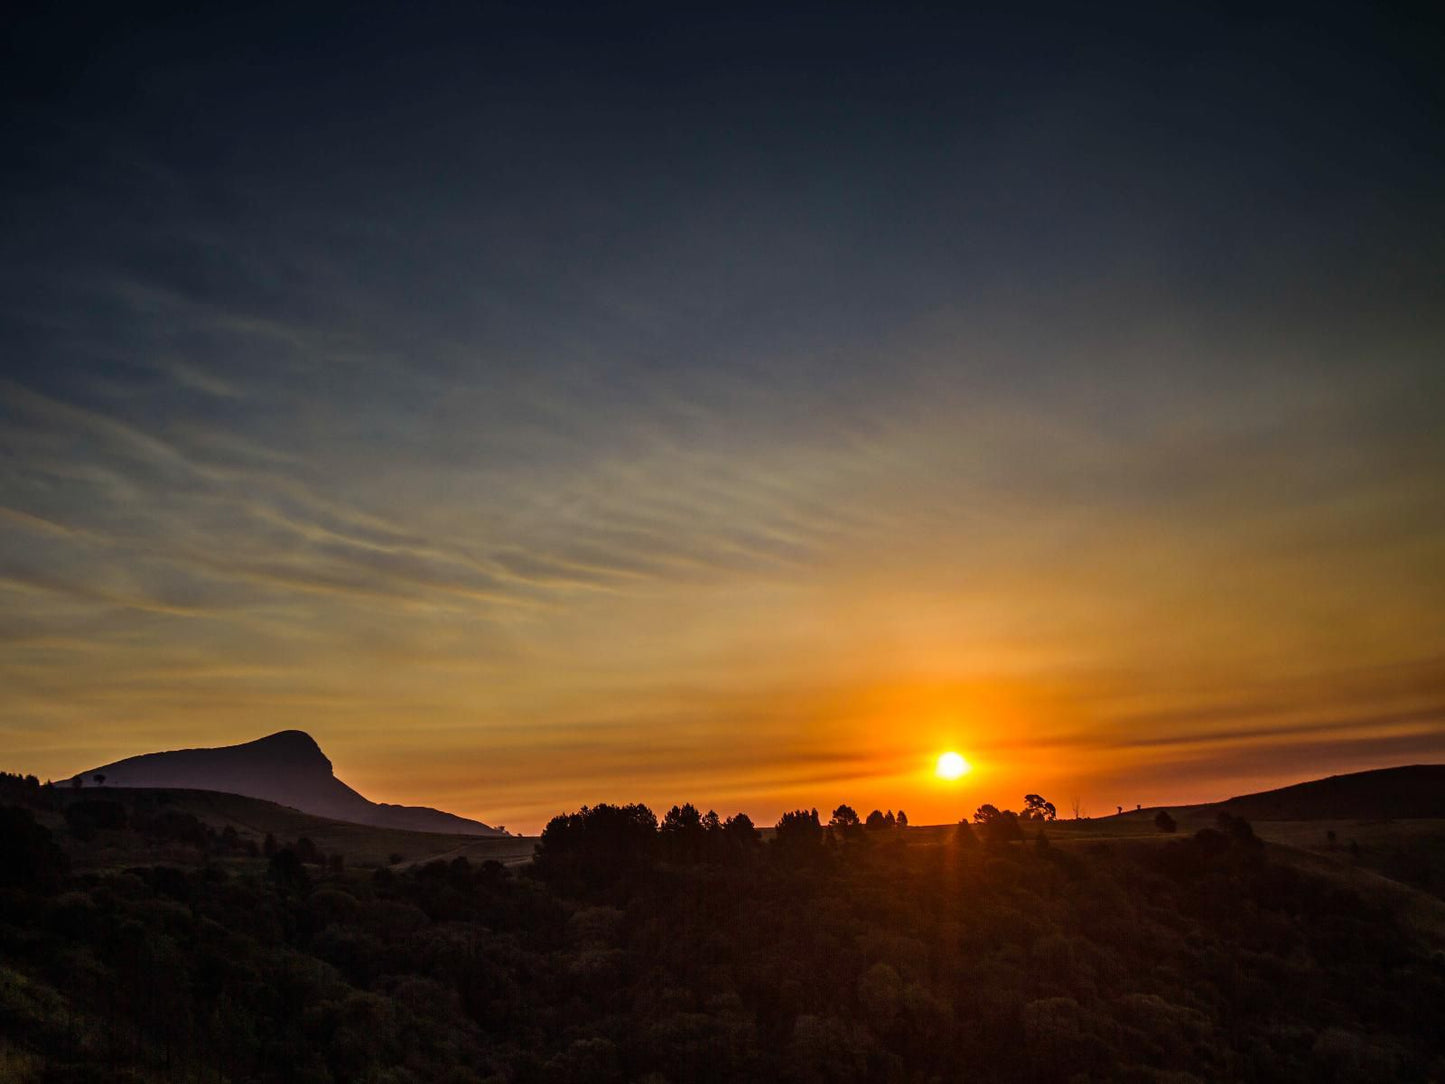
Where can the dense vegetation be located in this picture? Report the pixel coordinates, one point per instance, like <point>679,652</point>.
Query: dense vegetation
<point>692,950</point>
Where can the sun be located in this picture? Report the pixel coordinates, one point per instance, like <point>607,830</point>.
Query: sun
<point>951,766</point>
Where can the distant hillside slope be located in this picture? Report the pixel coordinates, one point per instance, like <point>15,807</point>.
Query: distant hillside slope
<point>362,845</point>
<point>1415,791</point>
<point>288,768</point>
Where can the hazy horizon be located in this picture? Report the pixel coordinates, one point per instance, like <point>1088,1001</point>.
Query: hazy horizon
<point>546,409</point>
<point>1064,810</point>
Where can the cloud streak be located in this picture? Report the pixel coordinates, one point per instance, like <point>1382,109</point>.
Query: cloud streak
<point>671,426</point>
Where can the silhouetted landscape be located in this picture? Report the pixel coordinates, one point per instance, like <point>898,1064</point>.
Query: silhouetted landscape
<point>287,768</point>
<point>157,933</point>
<point>757,543</point>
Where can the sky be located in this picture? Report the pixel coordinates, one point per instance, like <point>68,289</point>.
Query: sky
<point>544,405</point>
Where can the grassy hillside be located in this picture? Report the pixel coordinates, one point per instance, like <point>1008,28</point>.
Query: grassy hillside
<point>1415,791</point>
<point>1389,823</point>
<point>253,819</point>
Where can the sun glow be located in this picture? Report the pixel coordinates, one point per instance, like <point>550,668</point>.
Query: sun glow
<point>951,766</point>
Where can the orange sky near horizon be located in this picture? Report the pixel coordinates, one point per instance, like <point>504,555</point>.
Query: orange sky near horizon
<point>761,627</point>
<point>728,410</point>
<point>807,709</point>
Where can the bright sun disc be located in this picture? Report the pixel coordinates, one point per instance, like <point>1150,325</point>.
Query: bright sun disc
<point>951,766</point>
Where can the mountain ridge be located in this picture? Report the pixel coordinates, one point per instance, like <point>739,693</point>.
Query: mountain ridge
<point>1407,791</point>
<point>1400,792</point>
<point>287,767</point>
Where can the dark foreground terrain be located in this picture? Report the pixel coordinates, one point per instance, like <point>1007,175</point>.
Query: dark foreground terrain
<point>142,940</point>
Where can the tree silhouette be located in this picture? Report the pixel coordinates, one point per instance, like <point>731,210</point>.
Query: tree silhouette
<point>740,834</point>
<point>1237,829</point>
<point>1037,809</point>
<point>683,833</point>
<point>684,818</point>
<point>798,831</point>
<point>1164,822</point>
<point>599,843</point>
<point>789,964</point>
<point>998,825</point>
<point>845,818</point>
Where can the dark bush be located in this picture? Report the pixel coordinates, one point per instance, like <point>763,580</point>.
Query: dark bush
<point>29,857</point>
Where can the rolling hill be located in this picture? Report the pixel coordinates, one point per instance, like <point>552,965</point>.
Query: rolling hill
<point>288,768</point>
<point>254,818</point>
<point>1412,791</point>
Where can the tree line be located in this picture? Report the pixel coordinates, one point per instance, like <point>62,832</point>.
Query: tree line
<point>691,948</point>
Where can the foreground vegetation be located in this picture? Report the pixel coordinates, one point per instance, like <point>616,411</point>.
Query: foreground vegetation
<point>693,950</point>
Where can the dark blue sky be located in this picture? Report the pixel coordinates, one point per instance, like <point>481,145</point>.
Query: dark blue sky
<point>568,365</point>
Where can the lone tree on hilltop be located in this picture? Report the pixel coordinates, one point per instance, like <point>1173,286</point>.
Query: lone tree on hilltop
<point>1037,809</point>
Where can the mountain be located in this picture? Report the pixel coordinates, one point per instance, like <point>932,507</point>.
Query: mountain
<point>288,768</point>
<point>1414,791</point>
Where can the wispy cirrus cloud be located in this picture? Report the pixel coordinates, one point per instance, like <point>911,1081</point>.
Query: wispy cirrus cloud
<point>718,436</point>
